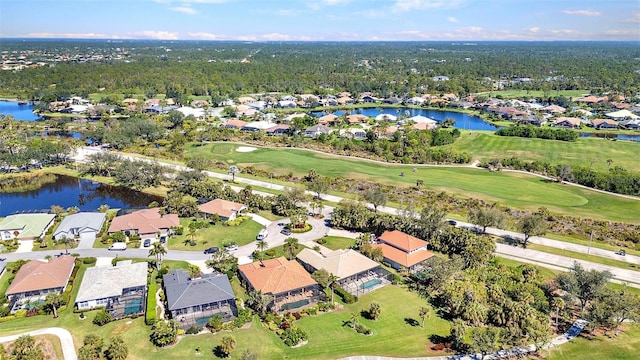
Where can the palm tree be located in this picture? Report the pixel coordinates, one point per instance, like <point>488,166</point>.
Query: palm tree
<point>194,271</point>
<point>258,302</point>
<point>262,245</point>
<point>609,162</point>
<point>332,280</point>
<point>228,345</point>
<point>558,304</point>
<point>53,300</point>
<point>290,247</point>
<point>424,313</point>
<point>354,319</point>
<point>233,170</point>
<point>374,311</point>
<point>157,250</point>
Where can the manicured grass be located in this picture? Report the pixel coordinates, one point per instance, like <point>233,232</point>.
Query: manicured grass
<point>217,235</point>
<point>270,216</point>
<point>4,282</point>
<point>517,190</point>
<point>512,94</point>
<point>487,146</point>
<point>337,242</point>
<point>603,347</point>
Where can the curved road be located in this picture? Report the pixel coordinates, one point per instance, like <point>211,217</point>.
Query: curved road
<point>66,340</point>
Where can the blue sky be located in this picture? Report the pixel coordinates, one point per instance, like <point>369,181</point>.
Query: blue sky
<point>323,20</point>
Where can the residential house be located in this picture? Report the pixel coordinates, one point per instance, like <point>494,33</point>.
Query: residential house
<point>235,124</point>
<point>82,225</point>
<point>245,100</point>
<point>192,302</point>
<point>147,223</point>
<point>423,126</point>
<point>357,119</point>
<point>257,126</point>
<point>287,104</point>
<point>553,109</point>
<point>567,122</point>
<point>197,113</point>
<point>345,100</point>
<point>317,130</point>
<point>605,124</point>
<point>591,99</point>
<point>419,119</point>
<point>368,99</point>
<point>394,100</point>
<point>403,251</point>
<point>130,101</point>
<point>353,133</point>
<point>356,273</point>
<point>415,101</point>
<point>630,124</point>
<point>285,281</point>
<point>450,97</point>
<point>25,226</point>
<point>37,278</point>
<point>622,115</point>
<point>279,130</point>
<point>226,210</point>
<point>532,120</point>
<point>121,289</point>
<point>329,119</point>
<point>200,103</point>
<point>386,117</point>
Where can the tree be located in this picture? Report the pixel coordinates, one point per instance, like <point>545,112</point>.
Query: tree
<point>532,225</point>
<point>486,340</point>
<point>611,308</point>
<point>332,281</point>
<point>91,348</point>
<point>117,349</point>
<point>164,333</point>
<point>194,271</point>
<point>258,302</point>
<point>233,171</point>
<point>584,285</point>
<point>290,247</point>
<point>485,217</point>
<point>227,345</point>
<point>353,320</point>
<point>66,242</point>
<point>321,276</point>
<point>376,197</point>
<point>319,185</point>
<point>25,348</point>
<point>53,301</point>
<point>458,332</point>
<point>374,311</point>
<point>157,250</point>
<point>564,172</point>
<point>103,208</point>
<point>248,355</point>
<point>424,314</point>
<point>261,246</point>
<point>57,210</point>
<point>558,304</point>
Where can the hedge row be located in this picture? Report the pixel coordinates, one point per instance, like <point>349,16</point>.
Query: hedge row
<point>346,297</point>
<point>150,314</point>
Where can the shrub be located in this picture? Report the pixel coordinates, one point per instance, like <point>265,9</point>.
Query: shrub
<point>321,241</point>
<point>89,260</point>
<point>293,336</point>
<point>215,323</point>
<point>193,330</point>
<point>102,318</point>
<point>150,315</point>
<point>344,295</point>
<point>179,230</point>
<point>237,221</point>
<point>361,329</point>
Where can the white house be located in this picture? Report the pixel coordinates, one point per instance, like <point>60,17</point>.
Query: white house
<point>85,225</point>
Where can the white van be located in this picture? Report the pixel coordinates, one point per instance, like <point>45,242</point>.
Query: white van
<point>262,234</point>
<point>118,246</point>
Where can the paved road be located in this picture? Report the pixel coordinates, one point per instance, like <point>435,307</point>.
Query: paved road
<point>66,340</point>
<point>526,255</point>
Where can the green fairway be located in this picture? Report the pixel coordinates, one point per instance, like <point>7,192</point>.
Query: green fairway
<point>511,189</point>
<point>603,347</point>
<point>519,94</point>
<point>487,146</point>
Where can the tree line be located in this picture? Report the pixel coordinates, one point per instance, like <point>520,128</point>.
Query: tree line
<point>548,133</point>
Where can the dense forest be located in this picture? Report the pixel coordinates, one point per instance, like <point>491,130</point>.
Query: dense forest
<point>228,69</point>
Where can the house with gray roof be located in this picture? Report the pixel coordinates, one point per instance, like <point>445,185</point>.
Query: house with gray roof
<point>193,301</point>
<point>82,225</point>
<point>121,289</point>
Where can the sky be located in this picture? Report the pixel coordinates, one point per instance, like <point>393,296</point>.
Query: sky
<point>323,20</point>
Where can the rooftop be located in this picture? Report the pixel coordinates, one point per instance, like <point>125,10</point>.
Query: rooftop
<point>32,225</point>
<point>402,241</point>
<point>145,221</point>
<point>275,276</point>
<point>341,263</point>
<point>101,282</point>
<point>183,292</point>
<point>39,275</point>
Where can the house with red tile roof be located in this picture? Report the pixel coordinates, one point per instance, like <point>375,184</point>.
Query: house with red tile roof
<point>285,281</point>
<point>403,251</point>
<point>226,210</point>
<point>235,124</point>
<point>567,122</point>
<point>147,223</point>
<point>605,124</point>
<point>37,278</point>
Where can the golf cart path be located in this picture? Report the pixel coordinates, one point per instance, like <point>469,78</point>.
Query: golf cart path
<point>68,349</point>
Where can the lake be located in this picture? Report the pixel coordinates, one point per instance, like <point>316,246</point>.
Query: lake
<point>69,191</point>
<point>19,112</point>
<point>628,137</point>
<point>462,120</point>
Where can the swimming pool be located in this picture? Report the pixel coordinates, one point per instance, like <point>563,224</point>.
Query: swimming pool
<point>371,283</point>
<point>133,306</point>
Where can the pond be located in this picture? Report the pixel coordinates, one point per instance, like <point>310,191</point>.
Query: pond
<point>18,111</point>
<point>628,137</point>
<point>69,191</point>
<point>462,120</point>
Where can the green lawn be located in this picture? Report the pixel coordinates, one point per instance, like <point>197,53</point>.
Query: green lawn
<point>519,94</point>
<point>487,146</point>
<point>517,190</point>
<point>217,235</point>
<point>337,242</point>
<point>603,347</point>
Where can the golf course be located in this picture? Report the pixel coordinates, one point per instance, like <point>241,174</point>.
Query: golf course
<point>518,190</point>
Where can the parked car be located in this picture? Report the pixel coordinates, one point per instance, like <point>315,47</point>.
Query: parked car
<point>452,222</point>
<point>211,250</point>
<point>262,234</point>
<point>163,239</point>
<point>622,252</point>
<point>232,247</point>
<point>120,246</point>
<point>146,243</point>
<point>285,231</point>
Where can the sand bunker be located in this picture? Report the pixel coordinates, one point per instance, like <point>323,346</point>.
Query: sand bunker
<point>245,149</point>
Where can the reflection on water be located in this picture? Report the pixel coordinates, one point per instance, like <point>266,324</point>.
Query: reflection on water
<point>69,191</point>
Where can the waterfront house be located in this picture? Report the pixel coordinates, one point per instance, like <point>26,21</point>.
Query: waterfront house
<point>403,251</point>
<point>317,130</point>
<point>353,133</point>
<point>226,210</point>
<point>280,129</point>
<point>25,226</point>
<point>121,289</point>
<point>82,225</point>
<point>148,223</point>
<point>622,115</point>
<point>605,124</point>
<point>37,278</point>
<point>567,122</point>
<point>235,124</point>
<point>285,281</point>
<point>356,273</point>
<point>192,302</point>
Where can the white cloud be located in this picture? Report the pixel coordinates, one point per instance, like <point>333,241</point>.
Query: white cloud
<point>534,29</point>
<point>276,37</point>
<point>185,10</point>
<point>583,12</point>
<point>69,35</point>
<point>204,36</point>
<point>453,20</point>
<point>335,2</point>
<point>635,18</point>
<point>407,5</point>
<point>159,35</point>
<point>373,13</point>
